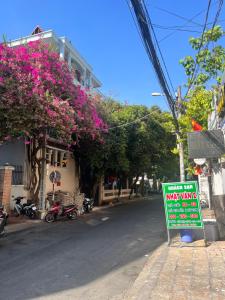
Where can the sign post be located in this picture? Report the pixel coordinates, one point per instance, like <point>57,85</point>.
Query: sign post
<point>182,206</point>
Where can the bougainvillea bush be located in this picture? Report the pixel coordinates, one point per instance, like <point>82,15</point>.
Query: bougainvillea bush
<point>38,97</point>
<point>37,93</point>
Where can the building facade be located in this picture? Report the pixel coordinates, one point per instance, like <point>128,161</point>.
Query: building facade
<point>84,75</point>
<point>217,121</point>
<point>57,160</point>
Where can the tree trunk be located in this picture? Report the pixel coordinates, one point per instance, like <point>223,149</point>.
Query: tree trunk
<point>142,185</point>
<point>35,171</point>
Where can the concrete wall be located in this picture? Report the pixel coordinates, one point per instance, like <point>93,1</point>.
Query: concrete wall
<point>18,191</point>
<point>218,197</point>
<point>219,208</point>
<point>5,186</point>
<point>12,153</point>
<point>69,177</point>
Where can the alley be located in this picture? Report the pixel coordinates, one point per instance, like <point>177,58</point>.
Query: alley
<point>96,257</point>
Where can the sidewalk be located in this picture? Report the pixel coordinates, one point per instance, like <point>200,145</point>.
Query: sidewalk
<point>182,271</point>
<point>20,223</point>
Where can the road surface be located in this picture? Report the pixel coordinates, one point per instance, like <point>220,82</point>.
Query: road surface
<point>97,257</point>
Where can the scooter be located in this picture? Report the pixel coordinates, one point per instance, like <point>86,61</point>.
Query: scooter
<point>57,210</point>
<point>30,210</point>
<point>88,204</point>
<point>3,220</point>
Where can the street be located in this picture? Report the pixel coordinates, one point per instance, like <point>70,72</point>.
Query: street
<point>98,256</point>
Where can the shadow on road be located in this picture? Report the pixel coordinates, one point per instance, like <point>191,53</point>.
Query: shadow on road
<point>74,255</point>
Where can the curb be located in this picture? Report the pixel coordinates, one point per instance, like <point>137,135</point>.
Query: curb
<point>19,227</point>
<point>123,202</point>
<point>142,284</point>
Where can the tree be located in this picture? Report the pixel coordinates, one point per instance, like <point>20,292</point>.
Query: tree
<point>203,69</point>
<point>98,157</point>
<point>197,108</point>
<point>207,64</point>
<point>137,142</point>
<point>38,98</point>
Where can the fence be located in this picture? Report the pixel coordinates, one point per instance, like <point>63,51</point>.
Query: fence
<point>110,195</point>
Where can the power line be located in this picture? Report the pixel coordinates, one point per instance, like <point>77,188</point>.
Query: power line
<point>139,32</point>
<point>175,27</point>
<point>157,44</point>
<point>124,124</point>
<point>181,17</point>
<point>130,123</point>
<point>196,66</point>
<point>201,44</point>
<point>188,21</point>
<point>142,19</point>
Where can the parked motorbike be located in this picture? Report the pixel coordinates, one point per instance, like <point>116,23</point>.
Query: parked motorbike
<point>57,210</point>
<point>204,203</point>
<point>88,205</point>
<point>30,210</point>
<point>3,220</point>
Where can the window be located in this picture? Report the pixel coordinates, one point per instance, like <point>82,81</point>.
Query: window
<point>58,163</point>
<point>57,158</point>
<point>78,75</point>
<point>17,175</point>
<point>64,160</point>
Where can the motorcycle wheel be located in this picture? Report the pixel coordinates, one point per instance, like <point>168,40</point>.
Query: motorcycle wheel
<point>15,213</point>
<point>49,218</point>
<point>72,215</point>
<point>32,215</point>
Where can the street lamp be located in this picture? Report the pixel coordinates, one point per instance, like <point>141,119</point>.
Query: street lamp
<point>155,94</point>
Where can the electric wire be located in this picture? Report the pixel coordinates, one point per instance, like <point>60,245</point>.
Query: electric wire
<point>128,4</point>
<point>188,21</point>
<point>196,66</point>
<point>176,27</point>
<point>130,123</point>
<point>181,17</point>
<point>147,115</point>
<point>146,35</point>
<point>157,44</point>
<point>158,67</point>
<point>143,42</point>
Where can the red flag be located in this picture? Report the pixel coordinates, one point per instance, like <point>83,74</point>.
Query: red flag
<point>196,126</point>
<point>197,170</point>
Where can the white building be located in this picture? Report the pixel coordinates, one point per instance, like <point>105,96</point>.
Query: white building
<point>84,75</point>
<point>217,121</point>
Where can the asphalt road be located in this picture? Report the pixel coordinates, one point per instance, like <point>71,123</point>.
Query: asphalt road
<point>96,257</point>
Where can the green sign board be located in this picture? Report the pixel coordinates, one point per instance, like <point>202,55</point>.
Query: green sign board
<point>182,206</point>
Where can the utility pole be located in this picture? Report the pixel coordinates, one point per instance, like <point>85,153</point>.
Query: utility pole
<point>179,140</point>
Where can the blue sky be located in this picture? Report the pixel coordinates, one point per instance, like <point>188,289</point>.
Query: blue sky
<point>104,32</point>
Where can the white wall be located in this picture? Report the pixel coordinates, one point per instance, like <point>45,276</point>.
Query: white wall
<point>69,178</point>
<point>218,180</point>
<point>18,191</point>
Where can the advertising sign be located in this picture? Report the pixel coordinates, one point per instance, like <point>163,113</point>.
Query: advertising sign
<point>207,144</point>
<point>182,205</point>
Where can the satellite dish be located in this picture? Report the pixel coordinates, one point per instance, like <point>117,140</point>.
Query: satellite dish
<point>200,161</point>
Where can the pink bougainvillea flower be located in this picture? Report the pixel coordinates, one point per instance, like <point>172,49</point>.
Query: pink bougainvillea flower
<point>39,94</point>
